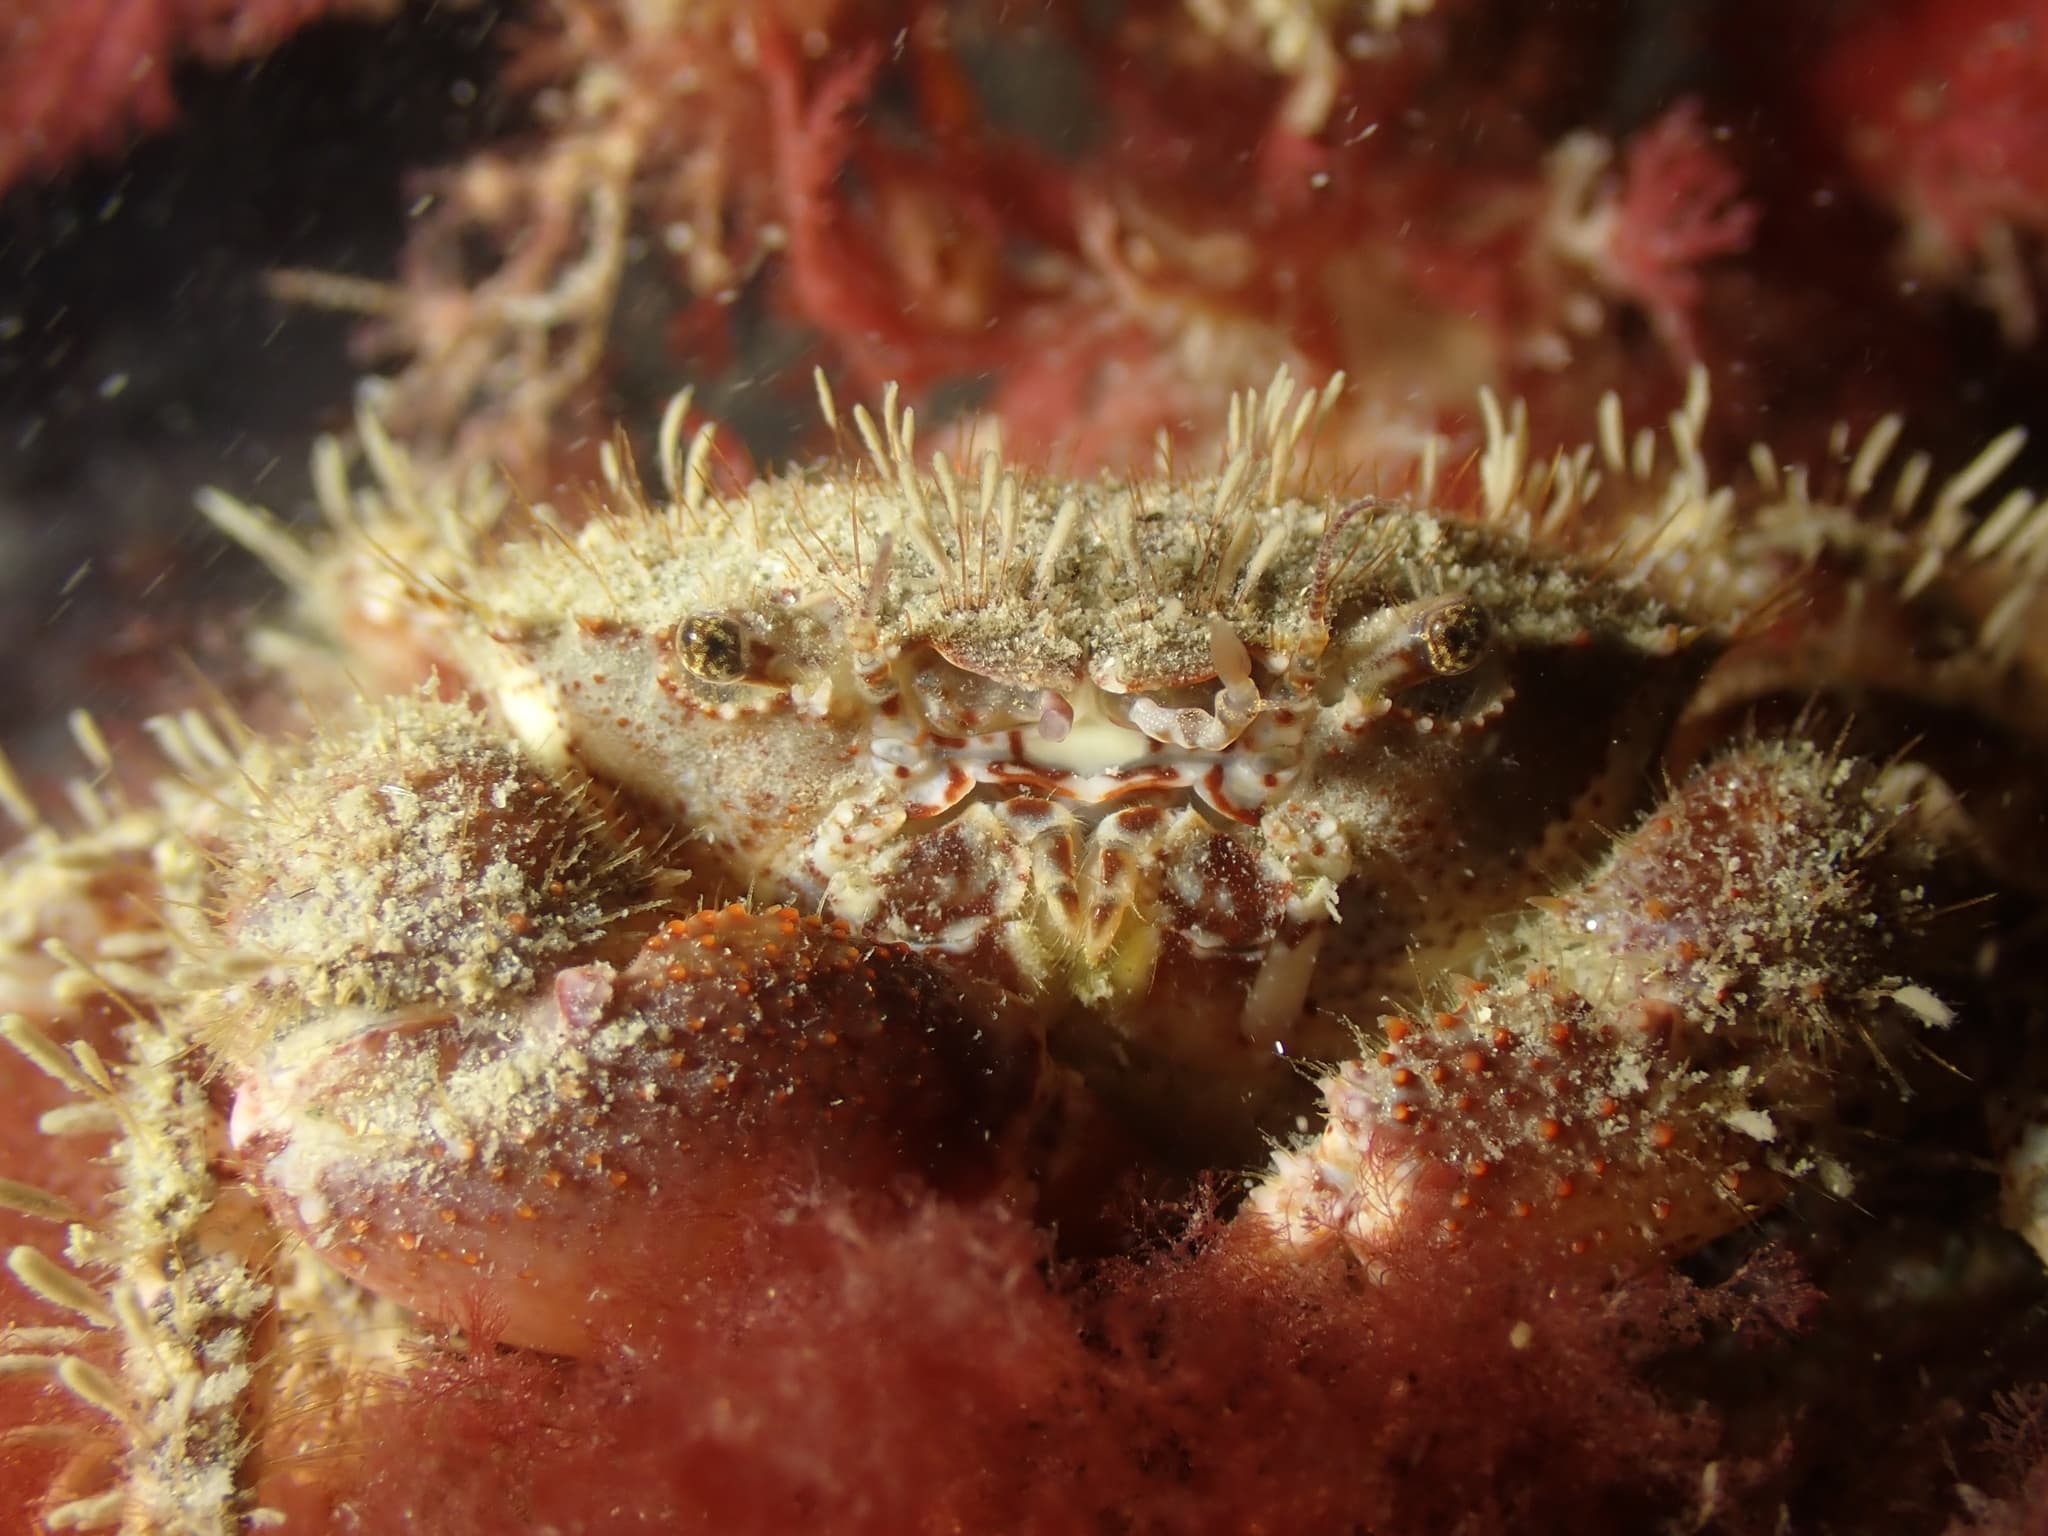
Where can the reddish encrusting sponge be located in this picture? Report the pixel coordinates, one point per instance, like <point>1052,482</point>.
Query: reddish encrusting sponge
<point>1661,1050</point>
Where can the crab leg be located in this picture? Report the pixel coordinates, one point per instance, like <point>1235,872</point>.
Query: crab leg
<point>1657,1054</point>
<point>470,1068</point>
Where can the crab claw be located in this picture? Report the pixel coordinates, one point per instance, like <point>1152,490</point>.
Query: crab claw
<point>1663,1050</point>
<point>570,1163</point>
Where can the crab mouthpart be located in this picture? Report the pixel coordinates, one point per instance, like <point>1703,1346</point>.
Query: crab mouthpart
<point>1080,751</point>
<point>1093,747</point>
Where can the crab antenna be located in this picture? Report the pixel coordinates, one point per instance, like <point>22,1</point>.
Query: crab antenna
<point>863,637</point>
<point>1319,586</point>
<point>878,578</point>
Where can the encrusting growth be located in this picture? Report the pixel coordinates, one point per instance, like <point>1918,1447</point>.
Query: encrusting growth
<point>168,1286</point>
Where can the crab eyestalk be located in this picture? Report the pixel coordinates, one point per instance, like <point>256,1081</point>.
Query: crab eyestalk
<point>1420,642</point>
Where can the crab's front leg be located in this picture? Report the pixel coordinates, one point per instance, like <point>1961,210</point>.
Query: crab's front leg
<point>1657,1053</point>
<point>481,1070</point>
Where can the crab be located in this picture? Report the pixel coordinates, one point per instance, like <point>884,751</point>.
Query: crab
<point>946,831</point>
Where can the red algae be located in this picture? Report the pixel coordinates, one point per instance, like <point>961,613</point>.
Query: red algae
<point>85,76</point>
<point>932,1378</point>
<point>1939,107</point>
<point>58,1425</point>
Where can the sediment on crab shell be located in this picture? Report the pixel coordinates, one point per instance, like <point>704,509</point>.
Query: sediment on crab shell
<point>404,858</point>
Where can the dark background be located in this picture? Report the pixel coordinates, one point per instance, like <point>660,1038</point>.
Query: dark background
<point>141,357</point>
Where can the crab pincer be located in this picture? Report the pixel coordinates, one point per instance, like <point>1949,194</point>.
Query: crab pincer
<point>561,1134</point>
<point>567,1163</point>
<point>1660,1053</point>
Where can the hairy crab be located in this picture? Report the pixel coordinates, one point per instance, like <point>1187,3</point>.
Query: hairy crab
<point>934,831</point>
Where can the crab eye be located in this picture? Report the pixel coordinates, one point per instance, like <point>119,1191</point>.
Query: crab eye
<point>713,647</point>
<point>1454,637</point>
